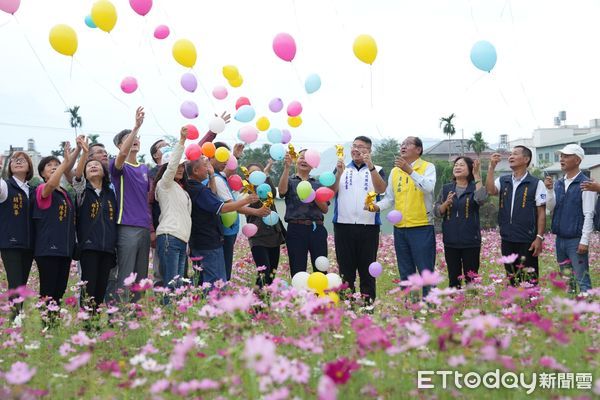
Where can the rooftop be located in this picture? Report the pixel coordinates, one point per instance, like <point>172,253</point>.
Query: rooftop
<point>587,163</point>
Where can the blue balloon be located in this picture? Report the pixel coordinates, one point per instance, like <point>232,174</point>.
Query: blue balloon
<point>277,151</point>
<point>257,178</point>
<point>245,113</point>
<point>263,190</point>
<point>483,55</point>
<point>312,83</point>
<point>271,219</point>
<point>90,22</point>
<point>274,135</point>
<point>327,178</point>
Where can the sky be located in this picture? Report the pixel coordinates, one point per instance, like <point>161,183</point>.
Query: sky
<point>547,62</point>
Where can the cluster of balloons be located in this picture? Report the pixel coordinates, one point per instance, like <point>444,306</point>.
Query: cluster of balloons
<point>233,76</point>
<point>306,194</point>
<point>294,109</point>
<point>318,282</point>
<point>483,55</point>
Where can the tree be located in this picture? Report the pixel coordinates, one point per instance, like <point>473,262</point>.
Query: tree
<point>385,153</point>
<point>93,138</point>
<point>448,129</point>
<point>74,118</point>
<point>477,143</point>
<point>260,155</point>
<point>141,158</point>
<point>60,152</point>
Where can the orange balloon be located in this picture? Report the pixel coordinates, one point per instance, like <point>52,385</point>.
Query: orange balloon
<point>209,149</point>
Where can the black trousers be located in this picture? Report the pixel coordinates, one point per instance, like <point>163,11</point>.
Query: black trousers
<point>54,275</point>
<point>17,263</point>
<point>267,257</point>
<point>228,244</point>
<point>355,249</point>
<point>460,262</point>
<point>526,258</point>
<point>302,239</point>
<point>95,269</point>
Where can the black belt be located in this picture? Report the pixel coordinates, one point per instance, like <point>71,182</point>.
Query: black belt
<point>304,222</point>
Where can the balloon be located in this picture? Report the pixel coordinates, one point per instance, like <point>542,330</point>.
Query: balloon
<point>300,280</point>
<point>63,39</point>
<point>312,83</point>
<point>88,21</point>
<point>263,190</point>
<point>249,230</point>
<point>257,178</point>
<point>263,124</point>
<point>483,55</point>
<point>230,72</point>
<point>192,132</point>
<point>104,15</point>
<point>193,151</point>
<point>295,122</point>
<point>142,7</point>
<point>304,189</point>
<point>216,125</point>
<point>312,157</point>
<point>276,105</point>
<point>189,109</point>
<point>129,84</point>
<point>274,135</point>
<point>232,163</point>
<point>248,134</point>
<point>10,6</point>
<point>189,82</point>
<point>310,198</point>
<point>271,219</point>
<point>327,178</point>
<point>333,296</point>
<point>235,182</point>
<point>324,194</point>
<point>161,32</point>
<point>394,217</point>
<point>229,218</point>
<point>333,280</point>
<point>208,149</point>
<point>365,48</point>
<point>294,109</point>
<point>317,281</point>
<point>222,154</point>
<point>245,113</point>
<point>184,52</point>
<point>219,92</point>
<point>375,269</point>
<point>286,136</point>
<point>242,101</point>
<point>237,82</point>
<point>322,263</point>
<point>284,46</point>
<point>277,151</point>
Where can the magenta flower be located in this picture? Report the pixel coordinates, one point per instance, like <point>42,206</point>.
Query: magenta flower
<point>78,361</point>
<point>340,370</point>
<point>19,373</point>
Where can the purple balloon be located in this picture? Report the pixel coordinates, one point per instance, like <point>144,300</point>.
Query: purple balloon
<point>276,105</point>
<point>375,269</point>
<point>286,136</point>
<point>310,197</point>
<point>189,82</point>
<point>189,109</point>
<point>394,217</point>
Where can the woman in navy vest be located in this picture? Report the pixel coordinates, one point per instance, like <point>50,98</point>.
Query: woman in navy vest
<point>54,224</point>
<point>96,231</point>
<point>458,206</point>
<point>16,229</point>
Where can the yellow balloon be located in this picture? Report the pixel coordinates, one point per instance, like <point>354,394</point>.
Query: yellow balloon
<point>222,154</point>
<point>263,124</point>
<point>184,52</point>
<point>237,82</point>
<point>230,72</point>
<point>365,48</point>
<point>333,296</point>
<point>317,281</point>
<point>104,15</point>
<point>295,122</point>
<point>63,39</point>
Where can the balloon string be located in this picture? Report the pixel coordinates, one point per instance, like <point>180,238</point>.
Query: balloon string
<point>161,73</point>
<point>473,17</point>
<point>147,104</point>
<point>93,79</point>
<point>507,105</point>
<point>210,100</point>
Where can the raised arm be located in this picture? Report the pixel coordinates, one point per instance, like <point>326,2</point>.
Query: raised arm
<point>54,182</point>
<point>339,170</point>
<point>490,184</point>
<point>168,178</point>
<point>210,135</point>
<point>128,142</point>
<point>85,151</point>
<point>238,204</point>
<point>282,188</point>
<point>73,158</point>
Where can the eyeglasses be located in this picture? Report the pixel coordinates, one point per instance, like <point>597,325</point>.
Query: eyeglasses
<point>406,144</point>
<point>19,160</point>
<point>360,147</point>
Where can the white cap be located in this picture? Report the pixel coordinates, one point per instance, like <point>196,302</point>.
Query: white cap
<point>573,148</point>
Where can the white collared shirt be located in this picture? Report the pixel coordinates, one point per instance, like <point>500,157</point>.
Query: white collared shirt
<point>4,188</point>
<point>355,184</point>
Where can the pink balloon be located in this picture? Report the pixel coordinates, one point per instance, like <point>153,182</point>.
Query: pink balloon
<point>193,151</point>
<point>312,157</point>
<point>249,230</point>
<point>284,46</point>
<point>10,6</point>
<point>294,109</point>
<point>219,92</point>
<point>286,136</point>
<point>232,163</point>
<point>129,84</point>
<point>189,82</point>
<point>248,134</point>
<point>276,105</point>
<point>310,198</point>
<point>161,32</point>
<point>142,7</point>
<point>189,109</point>
<point>394,216</point>
<point>324,194</point>
<point>235,182</point>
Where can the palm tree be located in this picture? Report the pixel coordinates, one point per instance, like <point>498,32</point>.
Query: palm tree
<point>448,129</point>
<point>74,118</point>
<point>477,143</point>
<point>93,138</point>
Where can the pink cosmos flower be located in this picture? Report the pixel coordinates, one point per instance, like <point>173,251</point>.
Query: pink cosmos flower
<point>159,386</point>
<point>78,361</point>
<point>326,389</point>
<point>19,373</point>
<point>455,361</point>
<point>259,353</point>
<point>278,394</point>
<point>81,339</point>
<point>550,362</point>
<point>130,280</point>
<point>508,259</point>
<point>340,370</point>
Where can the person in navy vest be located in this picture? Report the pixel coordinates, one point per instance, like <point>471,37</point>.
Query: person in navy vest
<point>458,206</point>
<point>54,224</point>
<point>573,216</point>
<point>96,230</point>
<point>16,229</point>
<point>521,214</point>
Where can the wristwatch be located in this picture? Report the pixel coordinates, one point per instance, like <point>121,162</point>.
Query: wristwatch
<point>372,169</point>
<point>540,237</point>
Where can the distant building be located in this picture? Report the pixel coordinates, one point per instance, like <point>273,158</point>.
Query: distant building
<point>31,151</point>
<point>590,166</point>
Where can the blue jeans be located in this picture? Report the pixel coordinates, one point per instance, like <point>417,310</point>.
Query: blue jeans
<point>228,242</point>
<point>213,265</point>
<point>173,258</point>
<point>415,251</point>
<point>566,249</point>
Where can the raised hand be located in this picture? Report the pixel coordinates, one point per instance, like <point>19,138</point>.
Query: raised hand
<point>268,167</point>
<point>449,198</point>
<point>82,142</point>
<point>549,183</point>
<point>592,186</point>
<point>139,117</point>
<point>477,169</point>
<point>366,156</point>
<point>287,160</point>
<point>238,150</point>
<point>494,160</point>
<point>225,117</point>
<point>67,152</point>
<point>183,134</point>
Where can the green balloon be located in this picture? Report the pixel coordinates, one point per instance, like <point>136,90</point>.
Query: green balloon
<point>304,189</point>
<point>229,218</point>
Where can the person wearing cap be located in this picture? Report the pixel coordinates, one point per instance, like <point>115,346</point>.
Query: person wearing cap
<point>573,216</point>
<point>521,214</point>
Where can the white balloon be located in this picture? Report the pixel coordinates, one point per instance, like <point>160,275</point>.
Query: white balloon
<point>322,263</point>
<point>300,280</point>
<point>333,281</point>
<point>217,125</point>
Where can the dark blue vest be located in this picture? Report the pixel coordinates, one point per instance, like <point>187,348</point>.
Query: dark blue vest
<point>460,224</point>
<point>16,226</point>
<point>97,220</point>
<point>567,220</point>
<point>597,215</point>
<point>55,227</point>
<point>522,226</point>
